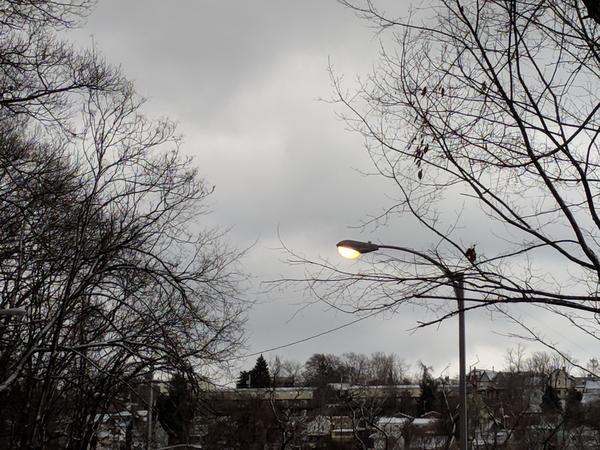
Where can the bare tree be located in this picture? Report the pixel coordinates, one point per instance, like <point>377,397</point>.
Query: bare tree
<point>387,369</point>
<point>115,282</point>
<point>488,113</point>
<point>285,372</point>
<point>100,238</point>
<point>321,369</point>
<point>515,359</point>
<point>39,72</point>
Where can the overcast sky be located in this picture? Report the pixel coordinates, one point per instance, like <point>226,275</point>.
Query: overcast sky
<point>243,80</point>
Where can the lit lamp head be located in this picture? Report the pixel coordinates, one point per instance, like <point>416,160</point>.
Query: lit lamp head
<point>353,249</point>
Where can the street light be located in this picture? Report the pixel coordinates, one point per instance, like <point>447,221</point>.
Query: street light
<point>353,249</point>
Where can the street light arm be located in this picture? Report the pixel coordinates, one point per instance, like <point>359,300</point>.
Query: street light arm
<point>447,272</point>
<point>352,249</point>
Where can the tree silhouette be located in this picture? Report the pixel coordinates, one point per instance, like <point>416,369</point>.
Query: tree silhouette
<point>428,399</point>
<point>176,409</point>
<point>99,238</point>
<point>243,380</point>
<point>259,375</point>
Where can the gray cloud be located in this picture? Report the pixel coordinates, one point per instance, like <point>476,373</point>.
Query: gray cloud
<point>242,79</point>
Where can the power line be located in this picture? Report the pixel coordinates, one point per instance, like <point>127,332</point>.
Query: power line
<point>314,336</point>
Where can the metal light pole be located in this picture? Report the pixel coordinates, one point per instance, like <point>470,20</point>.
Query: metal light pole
<point>149,415</point>
<point>353,249</point>
<point>463,430</point>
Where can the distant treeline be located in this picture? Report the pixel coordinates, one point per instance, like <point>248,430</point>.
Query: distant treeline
<point>381,368</point>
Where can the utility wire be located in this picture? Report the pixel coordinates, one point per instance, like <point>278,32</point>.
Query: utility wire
<point>309,338</point>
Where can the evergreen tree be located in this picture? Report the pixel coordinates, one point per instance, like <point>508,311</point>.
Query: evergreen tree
<point>243,380</point>
<point>259,376</point>
<point>550,401</point>
<point>575,413</point>
<point>429,391</point>
<point>176,409</point>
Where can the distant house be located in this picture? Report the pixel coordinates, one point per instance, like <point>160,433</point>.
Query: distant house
<point>590,390</point>
<point>482,379</point>
<point>374,392</point>
<point>561,382</point>
<point>399,433</point>
<point>290,397</point>
<point>125,424</point>
<point>525,389</point>
<point>128,429</point>
<point>325,431</point>
<point>389,433</point>
<point>484,382</point>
